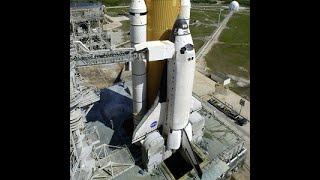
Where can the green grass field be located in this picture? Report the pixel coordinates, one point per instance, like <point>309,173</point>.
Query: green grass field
<point>117,11</point>
<point>202,15</point>
<point>197,44</point>
<point>232,53</point>
<point>207,18</point>
<point>201,31</point>
<point>125,26</point>
<point>243,91</point>
<point>106,2</point>
<point>228,58</point>
<point>238,29</point>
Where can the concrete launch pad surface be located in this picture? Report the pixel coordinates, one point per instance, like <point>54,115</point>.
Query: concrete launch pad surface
<point>114,111</point>
<point>204,88</point>
<point>116,97</point>
<point>102,76</point>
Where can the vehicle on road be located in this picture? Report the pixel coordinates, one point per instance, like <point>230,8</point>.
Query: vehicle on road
<point>240,120</point>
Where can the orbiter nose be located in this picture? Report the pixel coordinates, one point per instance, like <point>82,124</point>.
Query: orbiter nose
<point>185,10</point>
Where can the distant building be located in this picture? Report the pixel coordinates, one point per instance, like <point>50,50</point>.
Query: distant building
<point>221,78</point>
<point>222,82</point>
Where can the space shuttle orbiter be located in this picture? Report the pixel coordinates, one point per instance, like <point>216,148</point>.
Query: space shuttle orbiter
<point>171,109</point>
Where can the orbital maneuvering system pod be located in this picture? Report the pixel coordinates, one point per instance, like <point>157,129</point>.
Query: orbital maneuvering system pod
<point>165,129</point>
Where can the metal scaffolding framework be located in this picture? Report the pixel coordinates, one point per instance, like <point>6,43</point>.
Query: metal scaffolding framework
<point>89,46</point>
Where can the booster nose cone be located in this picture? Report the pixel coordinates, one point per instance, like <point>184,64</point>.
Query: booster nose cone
<point>138,6</point>
<point>138,20</point>
<point>185,10</point>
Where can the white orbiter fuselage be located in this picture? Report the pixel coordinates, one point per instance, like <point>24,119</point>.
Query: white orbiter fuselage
<point>180,75</point>
<point>173,114</point>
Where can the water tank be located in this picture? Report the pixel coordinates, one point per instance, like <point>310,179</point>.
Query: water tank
<point>234,6</point>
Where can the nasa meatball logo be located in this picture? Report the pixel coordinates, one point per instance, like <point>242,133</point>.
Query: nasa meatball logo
<point>153,124</point>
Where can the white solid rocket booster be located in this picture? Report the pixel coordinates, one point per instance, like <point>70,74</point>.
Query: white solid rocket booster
<point>180,75</point>
<point>138,34</point>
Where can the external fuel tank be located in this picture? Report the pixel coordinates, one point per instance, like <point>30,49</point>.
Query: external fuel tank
<point>162,15</point>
